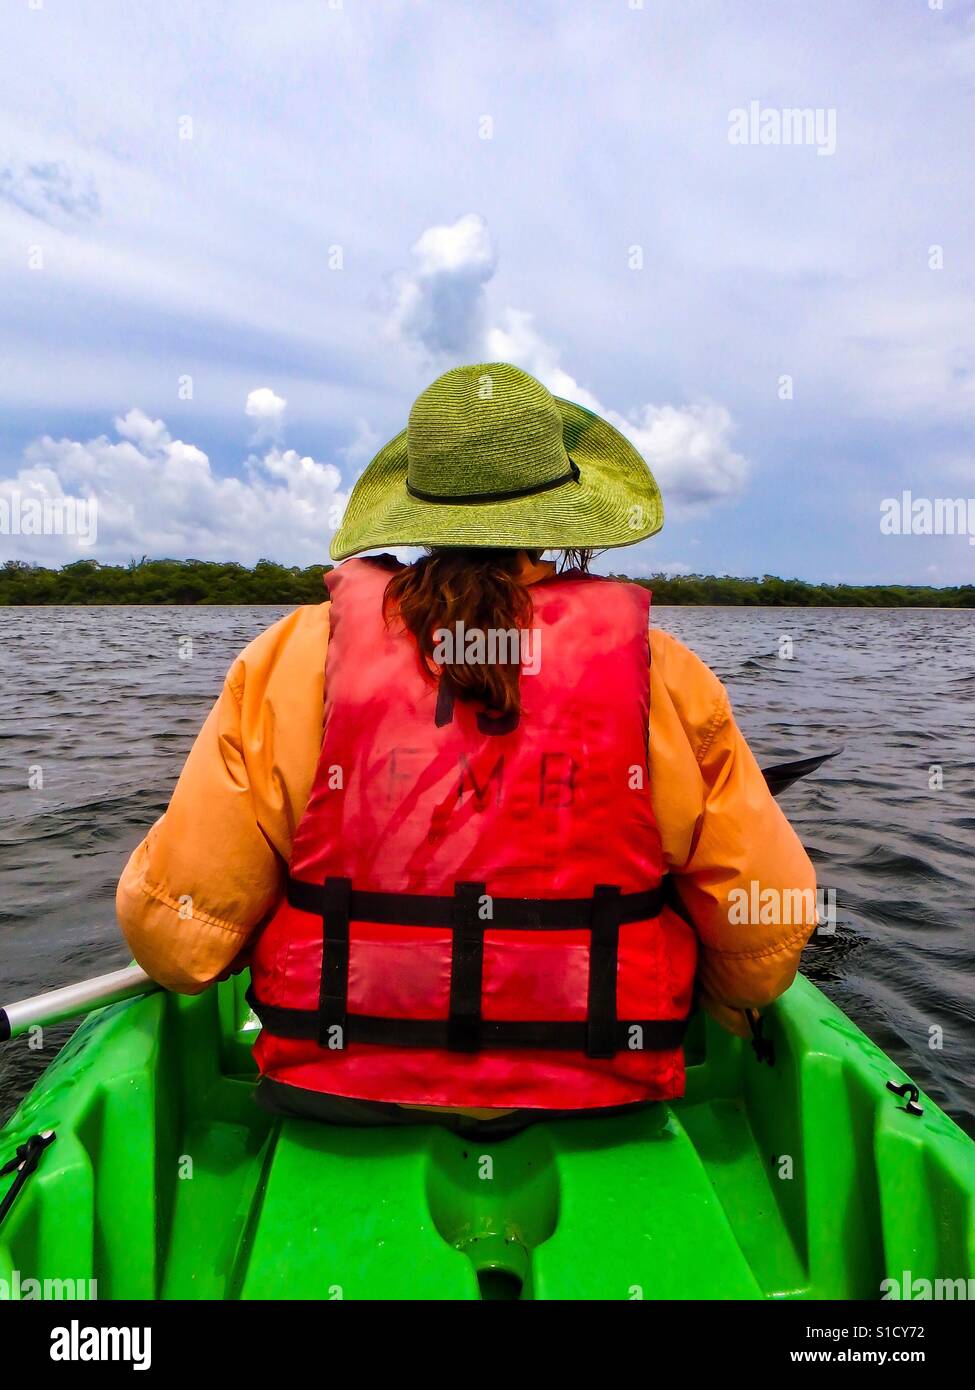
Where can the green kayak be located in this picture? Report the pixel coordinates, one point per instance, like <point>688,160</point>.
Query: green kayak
<point>806,1178</point>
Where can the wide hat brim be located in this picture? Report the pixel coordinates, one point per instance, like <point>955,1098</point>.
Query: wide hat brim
<point>614,502</point>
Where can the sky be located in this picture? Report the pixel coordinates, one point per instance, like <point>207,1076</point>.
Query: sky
<point>237,240</point>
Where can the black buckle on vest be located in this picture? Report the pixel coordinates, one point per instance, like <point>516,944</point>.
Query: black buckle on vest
<point>333,995</point>
<point>466,969</point>
<point>603,957</point>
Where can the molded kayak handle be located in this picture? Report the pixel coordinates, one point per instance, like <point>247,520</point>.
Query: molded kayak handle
<point>908,1089</point>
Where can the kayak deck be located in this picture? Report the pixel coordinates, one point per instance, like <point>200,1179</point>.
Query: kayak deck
<point>805,1179</point>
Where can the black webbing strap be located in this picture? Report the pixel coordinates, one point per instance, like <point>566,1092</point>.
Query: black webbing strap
<point>333,995</point>
<point>519,914</point>
<point>23,1163</point>
<point>601,1034</point>
<point>466,969</point>
<point>603,956</point>
<point>444,713</point>
<point>656,1035</point>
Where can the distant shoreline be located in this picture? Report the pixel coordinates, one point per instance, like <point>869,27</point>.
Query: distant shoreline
<point>201,583</point>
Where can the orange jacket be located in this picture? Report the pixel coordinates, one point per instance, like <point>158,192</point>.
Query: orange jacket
<point>210,872</point>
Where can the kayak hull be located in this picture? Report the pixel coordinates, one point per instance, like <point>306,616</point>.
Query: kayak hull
<point>806,1179</point>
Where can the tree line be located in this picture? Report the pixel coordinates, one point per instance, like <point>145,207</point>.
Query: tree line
<point>207,582</point>
<point>161,581</point>
<point>771,592</point>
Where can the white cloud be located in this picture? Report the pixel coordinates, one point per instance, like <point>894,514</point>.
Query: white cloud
<point>150,434</point>
<point>517,340</point>
<point>443,307</point>
<point>266,409</point>
<point>440,305</point>
<point>159,496</point>
<point>458,248</point>
<point>689,450</point>
<point>687,447</point>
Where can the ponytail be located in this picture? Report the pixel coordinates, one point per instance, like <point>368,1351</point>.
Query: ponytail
<point>480,589</point>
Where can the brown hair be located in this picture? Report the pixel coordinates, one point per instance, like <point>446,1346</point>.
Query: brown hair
<point>479,588</point>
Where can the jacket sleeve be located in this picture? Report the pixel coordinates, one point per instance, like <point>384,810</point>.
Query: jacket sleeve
<point>732,853</point>
<point>211,869</point>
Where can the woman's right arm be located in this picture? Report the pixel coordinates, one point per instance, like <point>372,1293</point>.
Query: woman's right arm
<point>210,871</point>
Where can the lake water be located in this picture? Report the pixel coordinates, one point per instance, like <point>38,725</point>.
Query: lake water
<point>100,701</point>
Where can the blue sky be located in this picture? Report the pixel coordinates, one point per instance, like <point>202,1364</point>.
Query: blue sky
<point>317,207</point>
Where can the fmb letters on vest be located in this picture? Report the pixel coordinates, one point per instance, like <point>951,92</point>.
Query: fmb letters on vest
<point>475,913</point>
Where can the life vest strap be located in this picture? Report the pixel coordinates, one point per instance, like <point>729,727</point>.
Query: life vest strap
<point>647,1035</point>
<point>603,967</point>
<point>516,914</point>
<point>466,969</point>
<point>333,998</point>
<point>468,914</point>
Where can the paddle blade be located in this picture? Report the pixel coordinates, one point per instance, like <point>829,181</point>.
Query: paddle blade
<point>784,774</point>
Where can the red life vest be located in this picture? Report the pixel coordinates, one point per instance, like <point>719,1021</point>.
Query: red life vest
<point>475,914</point>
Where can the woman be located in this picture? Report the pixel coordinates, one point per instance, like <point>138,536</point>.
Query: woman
<point>427,813</point>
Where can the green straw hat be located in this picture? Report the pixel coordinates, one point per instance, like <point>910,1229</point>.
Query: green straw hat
<point>490,458</point>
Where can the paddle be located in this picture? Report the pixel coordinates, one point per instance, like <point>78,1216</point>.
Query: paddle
<point>73,1000</point>
<point>784,774</point>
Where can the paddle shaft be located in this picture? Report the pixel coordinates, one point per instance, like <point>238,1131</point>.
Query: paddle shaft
<point>73,1000</point>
